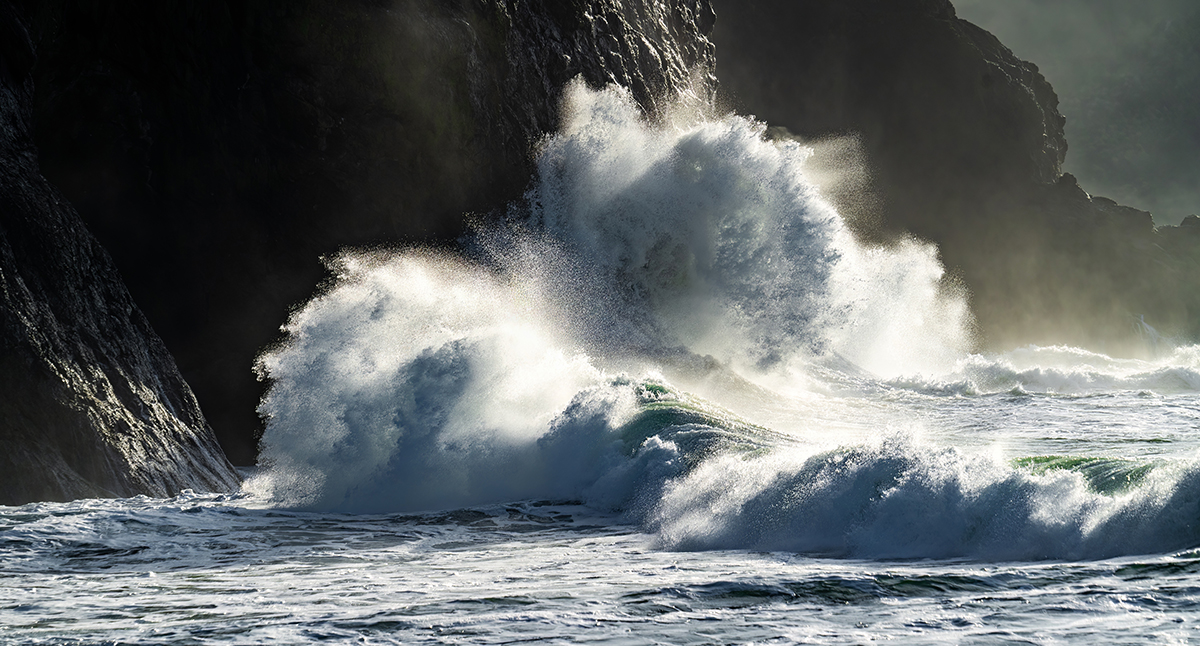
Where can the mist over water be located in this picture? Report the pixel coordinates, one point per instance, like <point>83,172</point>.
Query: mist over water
<point>1127,75</point>
<point>675,327</point>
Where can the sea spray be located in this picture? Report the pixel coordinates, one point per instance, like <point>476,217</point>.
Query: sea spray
<point>539,363</point>
<point>1062,370</point>
<point>420,382</point>
<point>899,497</point>
<point>638,242</point>
<point>706,235</point>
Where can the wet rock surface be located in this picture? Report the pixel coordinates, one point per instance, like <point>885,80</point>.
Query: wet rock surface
<point>91,403</point>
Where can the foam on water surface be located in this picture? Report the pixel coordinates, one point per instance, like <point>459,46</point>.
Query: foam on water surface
<point>837,408</point>
<point>669,399</point>
<point>209,569</point>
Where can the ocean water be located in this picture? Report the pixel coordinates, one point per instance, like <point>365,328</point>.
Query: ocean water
<point>669,399</point>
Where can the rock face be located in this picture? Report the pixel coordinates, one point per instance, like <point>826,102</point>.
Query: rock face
<point>218,149</point>
<point>965,145</point>
<point>91,403</point>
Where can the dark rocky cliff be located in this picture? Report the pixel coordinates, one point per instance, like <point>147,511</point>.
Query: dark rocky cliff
<point>965,145</point>
<point>219,148</point>
<point>91,403</point>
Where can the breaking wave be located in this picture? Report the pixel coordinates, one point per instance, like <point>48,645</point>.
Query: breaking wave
<point>614,339</point>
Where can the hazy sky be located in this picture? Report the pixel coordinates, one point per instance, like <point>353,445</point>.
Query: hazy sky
<point>1127,73</point>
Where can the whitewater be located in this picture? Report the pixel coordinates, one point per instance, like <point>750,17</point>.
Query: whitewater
<point>666,398</point>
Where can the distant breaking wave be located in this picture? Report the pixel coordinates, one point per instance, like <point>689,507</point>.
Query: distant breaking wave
<point>1063,371</point>
<point>555,358</point>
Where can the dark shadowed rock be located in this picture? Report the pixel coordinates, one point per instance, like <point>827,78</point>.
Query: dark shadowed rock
<point>965,146</point>
<point>218,149</point>
<point>91,403</point>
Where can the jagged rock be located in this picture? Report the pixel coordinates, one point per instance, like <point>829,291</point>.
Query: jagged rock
<point>965,146</point>
<point>942,107</point>
<point>218,152</point>
<point>91,403</point>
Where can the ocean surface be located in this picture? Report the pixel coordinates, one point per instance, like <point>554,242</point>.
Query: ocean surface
<point>669,399</point>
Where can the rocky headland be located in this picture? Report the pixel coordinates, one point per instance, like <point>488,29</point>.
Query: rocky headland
<point>964,145</point>
<point>217,150</point>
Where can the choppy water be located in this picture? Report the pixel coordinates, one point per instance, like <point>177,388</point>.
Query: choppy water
<point>669,400</point>
<point>218,569</point>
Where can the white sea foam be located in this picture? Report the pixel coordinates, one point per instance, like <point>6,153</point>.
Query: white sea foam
<point>1062,370</point>
<point>710,237</point>
<point>422,383</point>
<point>901,498</point>
<point>534,368</point>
